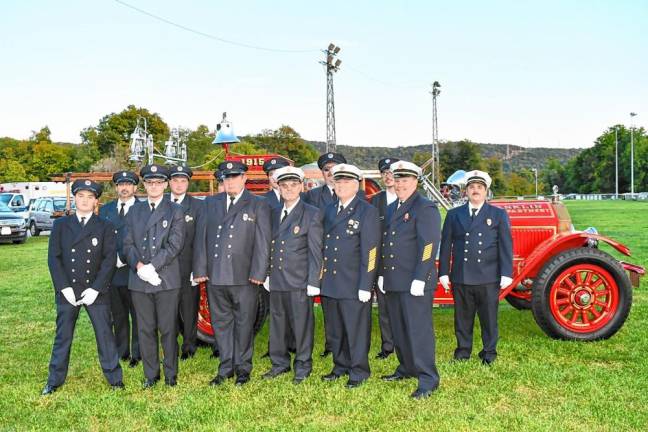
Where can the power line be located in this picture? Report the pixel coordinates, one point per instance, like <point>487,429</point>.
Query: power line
<point>210,36</point>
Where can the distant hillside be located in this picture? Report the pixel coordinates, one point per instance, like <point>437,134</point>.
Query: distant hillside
<point>521,157</point>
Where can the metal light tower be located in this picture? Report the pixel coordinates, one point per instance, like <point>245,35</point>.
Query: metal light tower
<point>332,65</point>
<point>632,115</point>
<point>436,169</point>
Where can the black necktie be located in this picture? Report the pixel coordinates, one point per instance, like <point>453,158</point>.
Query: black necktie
<point>333,195</point>
<point>340,209</point>
<point>474,213</point>
<point>152,207</point>
<point>175,200</point>
<point>231,203</point>
<point>284,216</point>
<point>83,220</point>
<point>122,210</point>
<point>400,203</point>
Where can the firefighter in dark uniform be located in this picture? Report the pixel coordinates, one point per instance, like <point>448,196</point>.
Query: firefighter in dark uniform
<point>381,201</point>
<point>351,241</point>
<point>121,304</point>
<point>155,236</point>
<point>409,246</point>
<point>269,167</point>
<point>180,177</point>
<point>321,197</point>
<point>477,239</point>
<point>295,267</point>
<point>232,253</point>
<point>81,258</point>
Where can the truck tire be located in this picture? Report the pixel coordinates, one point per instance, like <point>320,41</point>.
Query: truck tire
<point>519,303</point>
<point>581,294</point>
<point>206,333</point>
<point>33,230</point>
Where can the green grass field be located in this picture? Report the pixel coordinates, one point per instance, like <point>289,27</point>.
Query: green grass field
<point>536,384</point>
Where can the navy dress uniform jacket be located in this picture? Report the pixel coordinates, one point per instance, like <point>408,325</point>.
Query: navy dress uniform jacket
<point>238,247</point>
<point>296,250</point>
<point>481,249</point>
<point>110,211</point>
<point>82,257</point>
<point>351,241</point>
<point>155,238</point>
<point>192,209</point>
<point>410,243</point>
<point>272,199</point>
<point>319,197</point>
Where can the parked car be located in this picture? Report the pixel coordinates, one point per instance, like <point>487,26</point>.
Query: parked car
<point>43,212</point>
<point>16,203</point>
<point>13,227</point>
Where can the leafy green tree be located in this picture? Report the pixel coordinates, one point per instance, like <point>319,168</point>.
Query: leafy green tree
<point>43,135</point>
<point>493,167</point>
<point>12,171</point>
<point>464,155</point>
<point>553,174</point>
<point>286,142</point>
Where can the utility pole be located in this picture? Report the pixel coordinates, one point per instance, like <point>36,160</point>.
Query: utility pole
<point>332,65</point>
<point>632,115</point>
<point>436,168</point>
<point>616,162</point>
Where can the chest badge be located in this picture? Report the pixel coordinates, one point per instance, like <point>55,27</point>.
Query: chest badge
<point>406,217</point>
<point>489,221</point>
<point>165,224</point>
<point>188,218</point>
<point>245,217</point>
<point>296,230</point>
<point>95,242</point>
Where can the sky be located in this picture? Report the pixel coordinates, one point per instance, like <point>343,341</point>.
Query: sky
<point>530,73</point>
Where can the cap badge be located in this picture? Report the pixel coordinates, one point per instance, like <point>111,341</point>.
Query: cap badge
<point>153,168</point>
<point>387,161</point>
<point>229,165</point>
<point>330,156</point>
<point>179,168</point>
<point>273,161</point>
<point>87,183</point>
<point>124,174</point>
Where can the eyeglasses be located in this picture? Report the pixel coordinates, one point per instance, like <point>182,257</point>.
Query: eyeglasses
<point>155,183</point>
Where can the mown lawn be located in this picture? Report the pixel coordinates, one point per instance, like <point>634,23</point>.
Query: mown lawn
<point>536,384</point>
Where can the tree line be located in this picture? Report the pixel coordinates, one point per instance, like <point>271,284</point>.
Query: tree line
<point>106,147</point>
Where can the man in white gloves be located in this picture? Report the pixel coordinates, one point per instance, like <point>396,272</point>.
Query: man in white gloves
<point>409,244</point>
<point>155,234</point>
<point>81,257</point>
<point>295,267</point>
<point>351,240</point>
<point>477,239</point>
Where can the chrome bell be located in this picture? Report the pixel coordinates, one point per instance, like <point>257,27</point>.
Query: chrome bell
<point>225,132</point>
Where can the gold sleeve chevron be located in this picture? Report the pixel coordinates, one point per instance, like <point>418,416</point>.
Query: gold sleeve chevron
<point>372,260</point>
<point>427,252</point>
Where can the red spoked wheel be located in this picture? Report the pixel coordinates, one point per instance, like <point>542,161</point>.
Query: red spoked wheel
<point>581,294</point>
<point>584,298</point>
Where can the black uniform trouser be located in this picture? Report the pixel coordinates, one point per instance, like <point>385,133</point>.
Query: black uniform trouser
<point>291,312</point>
<point>233,310</point>
<point>66,318</point>
<point>327,323</point>
<point>387,340</point>
<point>121,306</point>
<point>188,314</point>
<point>290,337</point>
<point>158,312</point>
<point>484,300</point>
<point>411,323</point>
<point>349,332</point>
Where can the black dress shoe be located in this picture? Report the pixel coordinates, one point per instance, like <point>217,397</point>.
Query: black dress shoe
<point>422,394</point>
<point>382,355</point>
<point>330,377</point>
<point>299,379</point>
<point>393,377</point>
<point>266,355</point>
<point>242,380</point>
<point>148,383</point>
<point>49,389</point>
<point>187,355</point>
<point>171,382</point>
<point>133,362</point>
<point>218,380</point>
<point>273,373</point>
<point>118,386</point>
<point>125,357</point>
<point>214,354</point>
<point>325,353</point>
<point>488,362</point>
<point>354,383</point>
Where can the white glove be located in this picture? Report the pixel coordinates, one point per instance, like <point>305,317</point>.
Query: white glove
<point>417,288</point>
<point>120,264</point>
<point>89,296</point>
<point>266,284</point>
<point>505,281</point>
<point>364,296</point>
<point>445,282</point>
<point>68,293</point>
<point>191,280</point>
<point>312,291</point>
<point>147,271</point>
<point>155,280</point>
<point>380,283</point>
